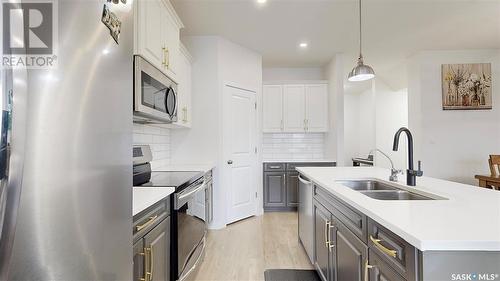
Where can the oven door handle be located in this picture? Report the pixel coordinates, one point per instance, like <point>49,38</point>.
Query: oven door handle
<point>196,264</point>
<point>182,196</point>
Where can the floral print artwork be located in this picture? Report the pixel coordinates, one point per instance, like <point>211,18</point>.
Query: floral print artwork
<point>467,86</point>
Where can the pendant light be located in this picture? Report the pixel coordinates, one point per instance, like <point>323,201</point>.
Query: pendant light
<point>361,72</point>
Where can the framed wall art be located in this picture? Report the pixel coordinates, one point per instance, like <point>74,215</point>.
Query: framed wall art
<point>466,86</point>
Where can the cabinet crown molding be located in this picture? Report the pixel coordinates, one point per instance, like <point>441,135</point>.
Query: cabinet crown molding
<point>173,13</point>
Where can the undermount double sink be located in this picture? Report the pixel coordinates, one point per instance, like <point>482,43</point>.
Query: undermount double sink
<point>380,190</point>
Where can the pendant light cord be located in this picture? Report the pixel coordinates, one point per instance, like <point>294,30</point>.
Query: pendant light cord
<point>360,31</point>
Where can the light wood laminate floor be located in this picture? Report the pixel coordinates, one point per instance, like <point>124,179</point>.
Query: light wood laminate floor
<point>244,250</point>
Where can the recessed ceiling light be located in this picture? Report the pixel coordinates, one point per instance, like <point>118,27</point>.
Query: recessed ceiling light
<point>303,45</point>
<point>261,1</point>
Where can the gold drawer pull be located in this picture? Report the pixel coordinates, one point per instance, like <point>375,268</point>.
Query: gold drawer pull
<point>390,252</point>
<point>146,224</point>
<point>327,227</point>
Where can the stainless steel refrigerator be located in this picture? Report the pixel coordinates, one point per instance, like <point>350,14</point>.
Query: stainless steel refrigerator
<point>66,162</point>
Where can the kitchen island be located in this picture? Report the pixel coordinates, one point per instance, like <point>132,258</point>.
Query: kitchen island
<point>458,232</point>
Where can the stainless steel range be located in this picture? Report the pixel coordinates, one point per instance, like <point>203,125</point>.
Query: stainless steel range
<point>191,211</point>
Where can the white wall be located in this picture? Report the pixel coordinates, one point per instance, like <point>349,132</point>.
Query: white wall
<point>291,74</point>
<point>351,127</point>
<point>334,139</point>
<point>199,144</point>
<point>372,114</point>
<point>215,62</point>
<point>452,145</point>
<point>391,114</point>
<point>367,122</point>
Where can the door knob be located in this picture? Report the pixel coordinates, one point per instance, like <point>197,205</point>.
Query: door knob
<point>230,162</point>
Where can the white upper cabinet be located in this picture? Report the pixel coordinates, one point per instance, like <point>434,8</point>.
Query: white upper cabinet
<point>157,34</point>
<point>184,109</point>
<point>295,108</point>
<point>316,108</point>
<point>150,41</point>
<point>273,108</point>
<point>294,97</point>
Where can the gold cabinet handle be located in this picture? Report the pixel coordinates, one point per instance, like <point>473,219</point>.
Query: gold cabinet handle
<point>367,268</point>
<point>167,55</point>
<point>147,262</point>
<point>163,62</point>
<point>330,244</point>
<point>389,252</point>
<point>146,224</point>
<point>151,263</point>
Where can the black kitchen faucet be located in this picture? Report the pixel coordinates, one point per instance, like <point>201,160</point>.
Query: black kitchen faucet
<point>411,175</point>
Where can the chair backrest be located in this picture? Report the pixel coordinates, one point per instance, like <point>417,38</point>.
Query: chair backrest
<point>495,165</point>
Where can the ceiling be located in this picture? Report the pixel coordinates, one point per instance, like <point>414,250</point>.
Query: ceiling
<point>392,29</point>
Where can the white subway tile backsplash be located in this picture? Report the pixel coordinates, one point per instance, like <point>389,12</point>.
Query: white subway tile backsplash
<point>293,146</point>
<point>158,139</point>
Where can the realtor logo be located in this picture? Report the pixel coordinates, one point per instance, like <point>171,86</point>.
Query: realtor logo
<point>29,34</point>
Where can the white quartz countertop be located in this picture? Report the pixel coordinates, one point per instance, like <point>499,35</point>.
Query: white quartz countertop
<point>298,160</point>
<point>145,197</point>
<point>469,220</point>
<point>188,167</point>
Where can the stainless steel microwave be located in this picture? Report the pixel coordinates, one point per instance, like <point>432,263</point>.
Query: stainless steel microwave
<point>155,94</point>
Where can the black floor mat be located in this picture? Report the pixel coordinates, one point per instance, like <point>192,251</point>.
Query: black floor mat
<point>291,275</point>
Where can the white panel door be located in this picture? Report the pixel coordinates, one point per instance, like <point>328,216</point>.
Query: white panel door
<point>316,108</point>
<point>151,41</point>
<point>272,108</point>
<point>239,142</point>
<point>294,108</point>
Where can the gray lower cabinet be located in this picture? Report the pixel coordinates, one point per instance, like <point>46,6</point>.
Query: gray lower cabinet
<point>341,254</point>
<point>351,255</point>
<point>349,246</point>
<point>151,249</point>
<point>281,184</point>
<point>274,189</point>
<point>157,250</point>
<point>323,259</point>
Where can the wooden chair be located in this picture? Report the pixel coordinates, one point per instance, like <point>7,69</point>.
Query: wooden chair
<point>495,170</point>
<point>494,165</point>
